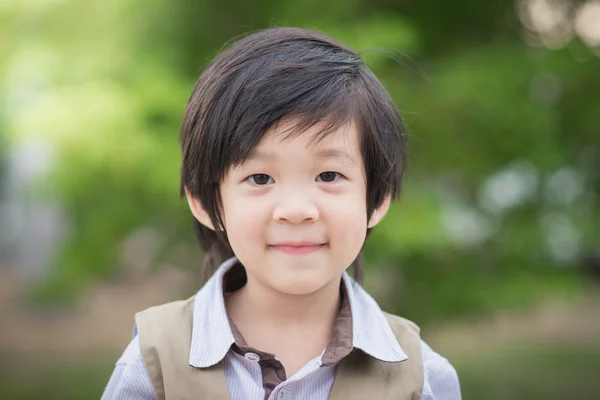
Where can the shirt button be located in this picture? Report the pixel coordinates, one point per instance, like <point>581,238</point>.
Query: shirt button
<point>281,395</point>
<point>252,357</point>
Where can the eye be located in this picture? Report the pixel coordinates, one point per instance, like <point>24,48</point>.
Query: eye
<point>260,179</point>
<point>329,176</point>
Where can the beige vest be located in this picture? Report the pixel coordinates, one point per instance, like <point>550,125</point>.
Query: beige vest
<point>165,337</point>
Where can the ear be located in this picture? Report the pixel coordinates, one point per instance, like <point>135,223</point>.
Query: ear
<point>198,210</point>
<point>380,212</point>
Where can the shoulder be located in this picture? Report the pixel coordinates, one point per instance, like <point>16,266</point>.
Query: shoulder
<point>159,319</point>
<point>407,334</point>
<point>440,380</point>
<point>173,309</point>
<point>133,366</point>
<point>161,330</point>
<point>396,322</point>
<point>130,378</point>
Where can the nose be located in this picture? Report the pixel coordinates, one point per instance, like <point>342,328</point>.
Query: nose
<point>296,209</point>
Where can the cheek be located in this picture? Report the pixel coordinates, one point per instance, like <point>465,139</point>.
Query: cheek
<point>243,224</point>
<point>348,223</point>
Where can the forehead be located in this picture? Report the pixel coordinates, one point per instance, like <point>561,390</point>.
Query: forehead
<point>317,140</point>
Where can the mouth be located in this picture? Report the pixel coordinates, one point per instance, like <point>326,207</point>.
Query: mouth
<point>297,248</point>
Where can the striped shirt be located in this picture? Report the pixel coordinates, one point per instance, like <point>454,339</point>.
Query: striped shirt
<point>252,374</point>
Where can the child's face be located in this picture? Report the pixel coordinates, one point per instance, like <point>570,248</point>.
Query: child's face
<point>295,212</point>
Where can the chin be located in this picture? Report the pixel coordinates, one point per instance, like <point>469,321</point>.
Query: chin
<point>300,287</point>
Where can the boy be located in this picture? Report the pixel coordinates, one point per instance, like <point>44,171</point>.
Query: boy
<point>291,153</point>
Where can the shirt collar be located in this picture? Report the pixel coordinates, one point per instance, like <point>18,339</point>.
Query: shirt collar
<point>212,334</point>
<point>371,331</point>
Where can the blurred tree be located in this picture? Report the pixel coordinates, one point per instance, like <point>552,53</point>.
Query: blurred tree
<point>503,180</point>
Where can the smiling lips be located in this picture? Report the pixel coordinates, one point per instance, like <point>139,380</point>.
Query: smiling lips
<point>297,248</point>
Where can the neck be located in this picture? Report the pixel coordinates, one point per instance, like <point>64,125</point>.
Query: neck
<point>276,310</point>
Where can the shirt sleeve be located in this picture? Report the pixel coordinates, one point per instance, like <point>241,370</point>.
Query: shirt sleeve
<point>441,379</point>
<point>130,379</point>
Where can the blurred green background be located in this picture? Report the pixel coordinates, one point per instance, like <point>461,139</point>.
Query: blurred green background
<point>493,248</point>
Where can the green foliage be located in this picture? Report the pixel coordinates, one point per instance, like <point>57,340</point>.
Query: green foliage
<point>108,83</point>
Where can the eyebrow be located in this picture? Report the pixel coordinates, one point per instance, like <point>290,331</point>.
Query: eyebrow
<point>335,153</point>
<point>323,154</point>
